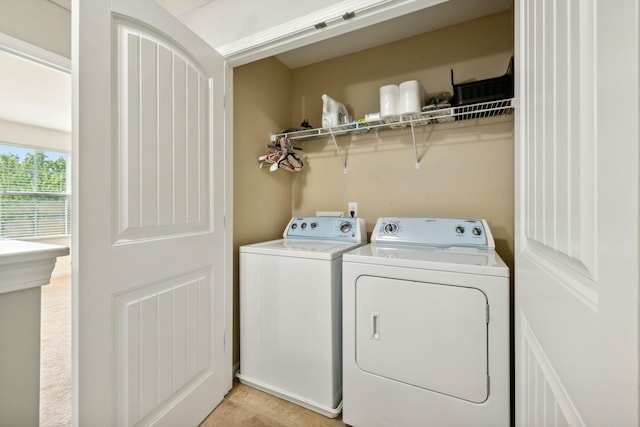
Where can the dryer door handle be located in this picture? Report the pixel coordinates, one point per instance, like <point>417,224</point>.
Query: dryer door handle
<point>374,322</point>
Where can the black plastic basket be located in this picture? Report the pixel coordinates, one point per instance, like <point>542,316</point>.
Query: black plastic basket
<point>487,90</point>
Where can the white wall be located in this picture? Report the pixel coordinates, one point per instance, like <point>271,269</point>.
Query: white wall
<point>34,136</point>
<point>33,93</point>
<point>39,22</point>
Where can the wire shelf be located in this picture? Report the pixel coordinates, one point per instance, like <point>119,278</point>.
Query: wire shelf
<point>425,118</point>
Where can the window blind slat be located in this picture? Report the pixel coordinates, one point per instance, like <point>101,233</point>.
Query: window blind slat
<point>33,193</point>
<point>34,216</point>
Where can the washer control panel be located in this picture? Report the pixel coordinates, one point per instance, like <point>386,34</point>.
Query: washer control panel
<point>443,232</point>
<point>326,228</point>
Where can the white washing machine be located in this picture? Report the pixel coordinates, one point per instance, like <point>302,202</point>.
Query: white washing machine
<point>426,326</point>
<point>290,311</point>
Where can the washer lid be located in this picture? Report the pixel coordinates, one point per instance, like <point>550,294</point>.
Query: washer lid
<point>300,248</point>
<point>455,259</point>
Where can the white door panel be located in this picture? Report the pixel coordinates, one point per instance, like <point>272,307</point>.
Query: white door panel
<point>149,293</point>
<point>577,216</point>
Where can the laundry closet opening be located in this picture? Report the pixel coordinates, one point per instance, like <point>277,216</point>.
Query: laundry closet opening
<point>466,167</point>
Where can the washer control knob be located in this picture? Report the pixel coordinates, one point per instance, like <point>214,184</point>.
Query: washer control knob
<point>390,228</point>
<point>345,227</point>
<point>304,225</point>
<point>477,231</point>
<point>314,224</point>
<point>294,226</point>
<point>460,229</point>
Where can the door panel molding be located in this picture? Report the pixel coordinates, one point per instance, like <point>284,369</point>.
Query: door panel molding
<point>559,169</point>
<point>163,138</point>
<point>543,399</point>
<point>566,272</point>
<point>163,344</point>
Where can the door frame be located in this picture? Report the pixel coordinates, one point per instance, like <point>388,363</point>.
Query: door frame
<point>228,223</point>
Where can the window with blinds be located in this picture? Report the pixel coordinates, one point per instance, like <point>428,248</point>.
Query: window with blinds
<point>34,196</point>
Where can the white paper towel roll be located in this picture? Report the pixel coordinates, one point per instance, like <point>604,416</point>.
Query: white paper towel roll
<point>389,100</point>
<point>410,97</point>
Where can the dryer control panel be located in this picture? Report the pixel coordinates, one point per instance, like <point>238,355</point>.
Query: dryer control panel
<point>326,228</point>
<point>443,232</point>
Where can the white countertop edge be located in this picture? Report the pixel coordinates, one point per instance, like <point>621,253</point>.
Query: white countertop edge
<point>25,265</point>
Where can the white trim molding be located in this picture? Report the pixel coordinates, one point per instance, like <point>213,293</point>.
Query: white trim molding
<point>34,53</point>
<point>333,21</point>
<point>27,264</point>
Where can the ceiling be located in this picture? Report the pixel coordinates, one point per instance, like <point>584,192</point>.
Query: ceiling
<point>229,28</point>
<point>425,20</point>
<point>34,94</point>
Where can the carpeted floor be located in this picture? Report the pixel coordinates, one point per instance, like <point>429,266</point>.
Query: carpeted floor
<point>242,407</point>
<point>55,354</point>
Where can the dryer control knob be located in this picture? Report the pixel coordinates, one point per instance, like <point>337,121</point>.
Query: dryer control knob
<point>477,231</point>
<point>460,229</point>
<point>345,227</point>
<point>390,228</point>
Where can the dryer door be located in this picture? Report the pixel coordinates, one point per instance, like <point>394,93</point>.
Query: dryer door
<point>427,335</point>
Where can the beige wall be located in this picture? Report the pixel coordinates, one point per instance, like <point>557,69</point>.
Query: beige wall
<point>466,167</point>
<point>262,199</point>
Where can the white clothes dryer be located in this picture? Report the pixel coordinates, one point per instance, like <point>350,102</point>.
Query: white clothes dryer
<point>426,326</point>
<point>290,311</point>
